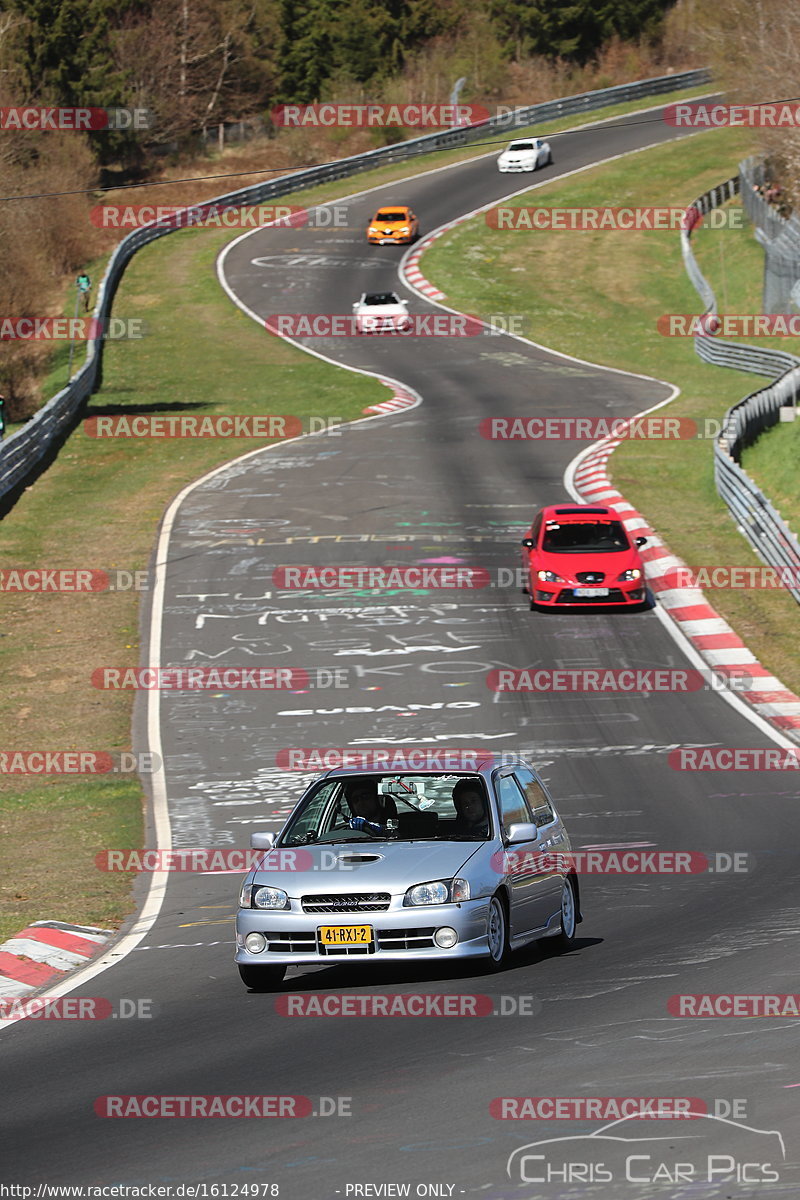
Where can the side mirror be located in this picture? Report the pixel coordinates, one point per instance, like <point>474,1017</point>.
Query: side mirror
<point>262,841</point>
<point>529,542</point>
<point>641,541</point>
<point>524,832</point>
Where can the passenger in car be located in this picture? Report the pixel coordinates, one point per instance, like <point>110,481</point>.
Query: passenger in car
<point>471,809</point>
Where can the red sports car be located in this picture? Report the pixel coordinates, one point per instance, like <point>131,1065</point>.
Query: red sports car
<point>574,555</point>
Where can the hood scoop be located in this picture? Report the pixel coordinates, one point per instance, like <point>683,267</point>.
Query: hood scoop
<point>358,860</point>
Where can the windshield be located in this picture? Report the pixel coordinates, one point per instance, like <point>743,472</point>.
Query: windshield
<point>398,808</point>
<point>585,537</point>
<point>390,215</point>
<point>381,298</point>
<point>522,146</point>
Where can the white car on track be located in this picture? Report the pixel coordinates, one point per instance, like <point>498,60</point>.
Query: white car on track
<point>381,312</point>
<point>525,155</point>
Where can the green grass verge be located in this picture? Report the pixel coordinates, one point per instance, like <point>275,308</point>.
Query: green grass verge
<point>598,295</point>
<point>773,462</point>
<point>50,870</point>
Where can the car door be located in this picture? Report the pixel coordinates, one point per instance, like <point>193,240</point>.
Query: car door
<point>528,566</point>
<point>553,842</point>
<point>530,888</point>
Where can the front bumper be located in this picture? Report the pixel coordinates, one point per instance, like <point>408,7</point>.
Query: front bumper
<point>515,168</point>
<point>384,328</point>
<point>559,595</point>
<point>394,240</point>
<point>398,934</point>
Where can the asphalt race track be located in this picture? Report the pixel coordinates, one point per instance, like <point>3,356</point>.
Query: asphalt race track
<point>416,488</point>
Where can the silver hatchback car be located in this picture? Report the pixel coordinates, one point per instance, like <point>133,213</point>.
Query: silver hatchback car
<point>412,866</point>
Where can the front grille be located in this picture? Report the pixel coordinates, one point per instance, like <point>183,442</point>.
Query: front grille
<point>349,902</point>
<point>590,576</point>
<point>405,939</point>
<point>291,943</point>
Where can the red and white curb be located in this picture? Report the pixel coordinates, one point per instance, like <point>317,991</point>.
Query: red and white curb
<point>410,267</point>
<point>710,635</point>
<point>399,400</point>
<point>45,951</point>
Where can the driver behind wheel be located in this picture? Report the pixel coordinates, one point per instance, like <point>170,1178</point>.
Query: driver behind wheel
<point>369,814</point>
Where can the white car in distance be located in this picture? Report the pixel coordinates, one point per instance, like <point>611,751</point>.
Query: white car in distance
<point>525,155</point>
<point>381,312</point>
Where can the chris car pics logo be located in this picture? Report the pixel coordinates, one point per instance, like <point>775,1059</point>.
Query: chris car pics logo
<point>712,1151</point>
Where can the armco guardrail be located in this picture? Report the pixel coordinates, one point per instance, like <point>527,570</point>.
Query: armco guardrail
<point>758,520</point>
<point>25,448</point>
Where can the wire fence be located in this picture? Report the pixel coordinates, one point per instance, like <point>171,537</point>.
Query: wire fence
<point>25,449</point>
<point>778,234</point>
<point>755,516</point>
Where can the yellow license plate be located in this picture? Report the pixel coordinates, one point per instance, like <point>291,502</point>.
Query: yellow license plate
<point>345,935</point>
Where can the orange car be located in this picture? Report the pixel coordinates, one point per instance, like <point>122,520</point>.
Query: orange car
<point>392,225</point>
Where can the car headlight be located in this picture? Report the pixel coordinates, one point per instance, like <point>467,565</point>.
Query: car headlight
<point>548,577</point>
<point>440,891</point>
<point>257,895</point>
<point>405,229</point>
<point>627,576</point>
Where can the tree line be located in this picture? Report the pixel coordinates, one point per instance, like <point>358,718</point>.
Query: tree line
<point>196,63</point>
